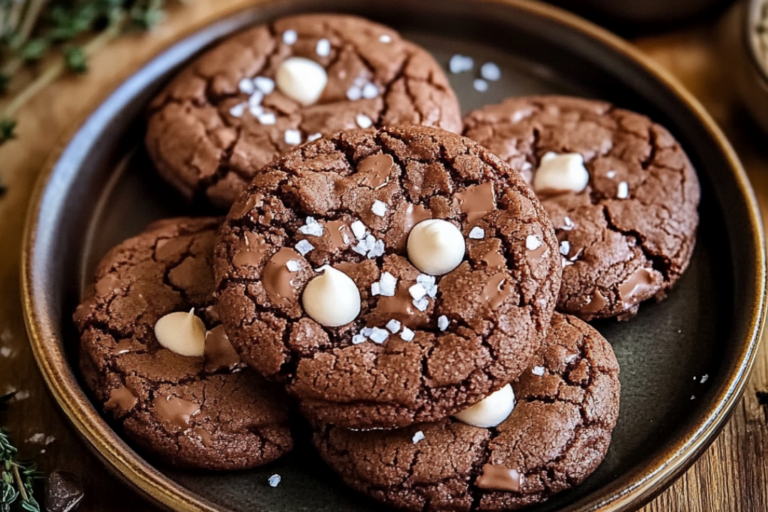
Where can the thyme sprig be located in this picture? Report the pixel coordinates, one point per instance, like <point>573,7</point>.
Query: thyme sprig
<point>17,478</point>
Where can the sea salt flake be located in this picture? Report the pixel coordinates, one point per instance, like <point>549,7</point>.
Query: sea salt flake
<point>255,99</point>
<point>264,84</point>
<point>5,351</point>
<point>387,284</point>
<point>704,378</point>
<point>565,247</point>
<point>379,335</point>
<point>623,191</point>
<point>460,64</point>
<point>270,118</point>
<point>359,229</point>
<point>418,436</point>
<point>238,110</point>
<point>274,480</point>
<point>360,248</point>
<point>375,289</point>
<point>292,137</point>
<point>304,247</point>
<point>443,322</point>
<point>314,136</point>
<point>370,91</point>
<point>256,111</point>
<point>38,438</point>
<point>407,334</point>
<point>417,291</point>
<point>378,249</point>
<point>366,331</point>
<point>393,326</point>
<point>292,265</point>
<point>358,339</point>
<point>693,397</point>
<point>385,38</point>
<point>477,233</point>
<point>532,242</point>
<point>312,227</point>
<point>421,304</point>
<point>538,370</point>
<point>566,263</point>
<point>21,395</point>
<point>490,71</point>
<point>246,86</point>
<point>323,48</point>
<point>569,225</point>
<point>610,174</point>
<point>363,121</point>
<point>354,93</point>
<point>379,208</point>
<point>480,85</point>
<point>290,37</point>
<point>370,242</point>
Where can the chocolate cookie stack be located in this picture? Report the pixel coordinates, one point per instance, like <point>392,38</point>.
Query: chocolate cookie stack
<point>420,295</point>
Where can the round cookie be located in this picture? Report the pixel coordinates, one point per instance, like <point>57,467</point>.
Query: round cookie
<point>223,118</point>
<point>207,412</point>
<point>630,233</point>
<point>350,201</point>
<point>557,435</point>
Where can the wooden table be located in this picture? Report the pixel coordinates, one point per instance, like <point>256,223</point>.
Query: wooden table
<point>731,476</point>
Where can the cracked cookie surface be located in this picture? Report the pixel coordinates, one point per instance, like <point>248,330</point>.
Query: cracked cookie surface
<point>557,435</point>
<point>325,203</point>
<point>630,234</point>
<point>206,152</point>
<point>206,412</point>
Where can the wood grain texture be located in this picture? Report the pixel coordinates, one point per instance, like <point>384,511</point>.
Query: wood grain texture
<point>731,476</point>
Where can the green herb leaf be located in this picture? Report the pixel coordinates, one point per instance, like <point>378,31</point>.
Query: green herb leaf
<point>76,60</point>
<point>35,49</point>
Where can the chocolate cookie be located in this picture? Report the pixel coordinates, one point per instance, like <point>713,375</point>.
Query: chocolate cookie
<point>557,435</point>
<point>278,85</point>
<point>380,342</point>
<point>199,412</point>
<point>619,189</point>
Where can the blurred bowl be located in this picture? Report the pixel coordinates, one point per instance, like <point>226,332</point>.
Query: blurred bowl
<point>753,83</point>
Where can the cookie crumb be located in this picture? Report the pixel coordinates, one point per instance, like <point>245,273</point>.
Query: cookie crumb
<point>274,480</point>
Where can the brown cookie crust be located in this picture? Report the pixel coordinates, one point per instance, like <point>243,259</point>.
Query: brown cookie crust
<point>242,420</point>
<point>206,152</point>
<point>622,251</point>
<point>557,435</point>
<point>499,300</point>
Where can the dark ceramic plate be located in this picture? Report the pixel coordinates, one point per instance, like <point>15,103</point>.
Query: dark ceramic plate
<point>102,189</point>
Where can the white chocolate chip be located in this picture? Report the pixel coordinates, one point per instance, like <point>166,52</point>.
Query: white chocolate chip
<point>538,371</point>
<point>292,137</point>
<point>436,246</point>
<point>323,48</point>
<point>264,84</point>
<point>491,411</point>
<point>443,322</point>
<point>363,121</point>
<point>477,233</point>
<point>290,37</point>
<point>332,298</point>
<point>623,191</point>
<point>532,242</point>
<point>490,71</point>
<point>418,436</point>
<point>379,208</point>
<point>182,333</point>
<point>560,173</point>
<point>301,79</point>
<point>407,334</point>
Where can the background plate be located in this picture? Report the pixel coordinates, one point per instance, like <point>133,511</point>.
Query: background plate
<point>102,189</point>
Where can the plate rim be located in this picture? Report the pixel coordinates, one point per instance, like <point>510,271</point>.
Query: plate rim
<point>133,469</point>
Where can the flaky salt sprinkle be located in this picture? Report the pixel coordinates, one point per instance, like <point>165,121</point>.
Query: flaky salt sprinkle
<point>610,174</point>
<point>323,47</point>
<point>5,351</point>
<point>569,225</point>
<point>290,37</point>
<point>379,335</point>
<point>565,247</point>
<point>238,110</point>
<point>538,370</point>
<point>384,38</point>
<point>370,91</point>
<point>274,480</point>
<point>421,304</point>
<point>256,111</point>
<point>304,247</point>
<point>407,334</point>
<point>292,265</point>
<point>269,118</point>
<point>314,136</point>
<point>358,339</point>
<point>254,100</point>
<point>480,85</point>
<point>490,71</point>
<point>359,229</point>
<point>377,250</point>
<point>366,331</point>
<point>428,282</point>
<point>360,248</point>
<point>388,284</point>
<point>363,121</point>
<point>623,191</point>
<point>418,436</point>
<point>264,84</point>
<point>443,322</point>
<point>354,93</point>
<point>246,86</point>
<point>460,64</point>
<point>312,227</point>
<point>375,289</point>
<point>393,326</point>
<point>417,291</point>
<point>292,137</point>
<point>477,233</point>
<point>704,378</point>
<point>379,208</point>
<point>532,242</point>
